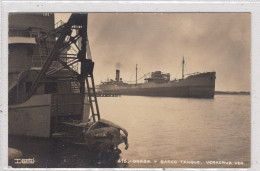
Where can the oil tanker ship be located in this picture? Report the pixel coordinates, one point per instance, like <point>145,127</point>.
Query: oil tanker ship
<point>197,85</point>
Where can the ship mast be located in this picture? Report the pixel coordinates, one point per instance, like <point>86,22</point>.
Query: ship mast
<point>136,74</point>
<point>183,68</point>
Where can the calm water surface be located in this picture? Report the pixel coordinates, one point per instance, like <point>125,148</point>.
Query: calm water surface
<point>182,129</point>
<point>172,130</point>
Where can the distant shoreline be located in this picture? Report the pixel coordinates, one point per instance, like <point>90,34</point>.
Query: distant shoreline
<point>232,92</point>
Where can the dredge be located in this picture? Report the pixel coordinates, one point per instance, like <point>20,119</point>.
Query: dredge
<point>51,85</point>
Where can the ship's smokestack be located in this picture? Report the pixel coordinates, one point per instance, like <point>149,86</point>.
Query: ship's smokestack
<point>117,75</point>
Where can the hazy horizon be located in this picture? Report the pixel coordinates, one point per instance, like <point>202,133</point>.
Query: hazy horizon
<point>158,41</point>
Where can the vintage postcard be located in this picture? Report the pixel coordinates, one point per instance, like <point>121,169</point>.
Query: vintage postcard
<point>129,90</point>
<point>129,87</point>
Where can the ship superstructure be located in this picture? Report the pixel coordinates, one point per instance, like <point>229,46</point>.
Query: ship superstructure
<point>43,73</point>
<point>51,84</point>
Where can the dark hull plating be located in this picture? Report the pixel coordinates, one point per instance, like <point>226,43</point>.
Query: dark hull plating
<point>196,92</point>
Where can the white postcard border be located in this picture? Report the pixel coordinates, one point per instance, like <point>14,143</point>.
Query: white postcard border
<point>252,7</point>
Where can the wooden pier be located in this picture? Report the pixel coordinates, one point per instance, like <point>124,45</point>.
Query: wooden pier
<point>108,94</point>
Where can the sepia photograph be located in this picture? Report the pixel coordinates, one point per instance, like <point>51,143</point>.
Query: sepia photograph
<point>129,90</point>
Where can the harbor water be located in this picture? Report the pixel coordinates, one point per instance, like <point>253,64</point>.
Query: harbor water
<point>163,132</point>
<point>183,132</point>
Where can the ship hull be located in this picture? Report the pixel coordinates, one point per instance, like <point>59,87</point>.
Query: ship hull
<point>193,92</point>
<point>196,92</point>
<point>198,86</point>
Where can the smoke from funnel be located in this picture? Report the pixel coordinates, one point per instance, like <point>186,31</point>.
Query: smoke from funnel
<point>118,65</point>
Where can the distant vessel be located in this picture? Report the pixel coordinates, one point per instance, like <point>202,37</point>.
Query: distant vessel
<point>197,85</point>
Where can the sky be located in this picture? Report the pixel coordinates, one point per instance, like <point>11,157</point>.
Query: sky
<point>218,42</point>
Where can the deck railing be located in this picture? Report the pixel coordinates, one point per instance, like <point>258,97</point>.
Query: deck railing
<point>22,33</point>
